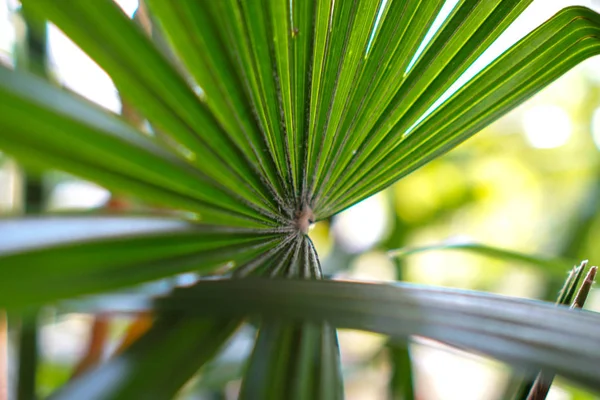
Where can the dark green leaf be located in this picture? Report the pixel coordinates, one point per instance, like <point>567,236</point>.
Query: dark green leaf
<point>157,365</point>
<point>71,134</point>
<point>194,32</point>
<point>69,256</point>
<point>527,334</point>
<point>294,360</point>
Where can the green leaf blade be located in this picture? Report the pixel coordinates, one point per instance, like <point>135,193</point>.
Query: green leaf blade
<point>527,334</point>
<point>554,266</point>
<point>538,59</point>
<point>73,256</point>
<point>152,85</point>
<point>194,32</point>
<point>75,136</point>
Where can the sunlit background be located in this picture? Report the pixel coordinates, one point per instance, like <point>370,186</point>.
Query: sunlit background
<point>530,183</point>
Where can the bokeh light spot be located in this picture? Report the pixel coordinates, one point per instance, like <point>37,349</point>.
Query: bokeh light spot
<point>547,126</point>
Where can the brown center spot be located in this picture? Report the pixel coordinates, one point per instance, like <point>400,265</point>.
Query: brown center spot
<point>304,218</point>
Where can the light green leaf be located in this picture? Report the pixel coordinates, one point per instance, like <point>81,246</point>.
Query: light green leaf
<point>343,61</point>
<point>554,266</point>
<point>541,57</point>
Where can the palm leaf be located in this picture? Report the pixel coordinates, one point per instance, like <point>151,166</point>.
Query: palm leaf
<point>68,256</point>
<point>535,61</point>
<point>295,360</point>
<point>525,333</point>
<point>158,91</point>
<point>284,113</point>
<point>77,137</point>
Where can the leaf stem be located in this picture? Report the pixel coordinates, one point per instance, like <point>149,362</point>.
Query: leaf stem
<point>542,383</point>
<point>3,356</point>
<point>28,357</point>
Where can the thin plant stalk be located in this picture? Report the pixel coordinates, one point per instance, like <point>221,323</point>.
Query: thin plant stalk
<point>3,356</point>
<point>542,384</point>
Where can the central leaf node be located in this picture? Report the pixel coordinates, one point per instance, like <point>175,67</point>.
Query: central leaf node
<point>304,218</point>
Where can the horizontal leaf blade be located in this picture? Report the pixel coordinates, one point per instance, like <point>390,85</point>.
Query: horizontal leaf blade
<point>554,266</point>
<point>80,255</point>
<point>525,333</point>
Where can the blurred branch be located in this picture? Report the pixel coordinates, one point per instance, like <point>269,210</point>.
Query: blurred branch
<point>137,328</point>
<point>28,357</point>
<point>96,344</point>
<point>31,55</point>
<point>401,385</point>
<point>401,380</point>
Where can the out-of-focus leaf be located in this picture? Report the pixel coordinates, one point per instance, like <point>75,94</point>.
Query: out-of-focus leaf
<point>28,358</point>
<point>526,334</point>
<point>70,256</point>
<point>155,366</point>
<point>555,266</point>
<point>179,344</point>
<point>295,361</point>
